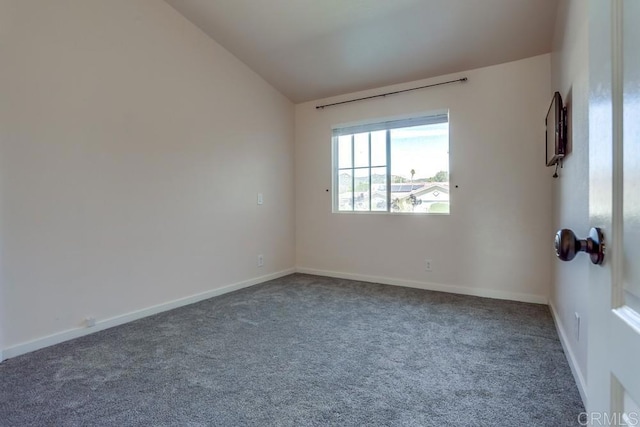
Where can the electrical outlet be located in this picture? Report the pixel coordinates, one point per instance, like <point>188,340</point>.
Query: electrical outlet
<point>260,199</point>
<point>428,264</point>
<point>260,260</point>
<point>576,326</point>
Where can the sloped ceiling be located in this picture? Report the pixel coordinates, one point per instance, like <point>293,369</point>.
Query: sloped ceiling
<point>312,49</point>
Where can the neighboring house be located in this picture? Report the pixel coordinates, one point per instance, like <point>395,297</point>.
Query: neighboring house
<point>419,197</point>
<point>425,194</point>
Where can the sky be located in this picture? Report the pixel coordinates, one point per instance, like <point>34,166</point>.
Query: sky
<point>422,148</point>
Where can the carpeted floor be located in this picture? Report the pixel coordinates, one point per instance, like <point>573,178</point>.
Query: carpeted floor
<point>301,351</point>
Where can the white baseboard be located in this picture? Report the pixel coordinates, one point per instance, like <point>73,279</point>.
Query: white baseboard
<point>100,325</point>
<point>479,292</point>
<point>573,363</point>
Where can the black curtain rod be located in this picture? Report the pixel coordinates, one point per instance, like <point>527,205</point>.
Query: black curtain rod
<point>320,107</point>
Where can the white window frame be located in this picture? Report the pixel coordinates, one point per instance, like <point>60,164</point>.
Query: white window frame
<point>434,117</point>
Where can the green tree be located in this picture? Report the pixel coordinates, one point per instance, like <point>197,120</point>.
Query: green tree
<point>442,176</point>
<point>396,179</point>
<point>362,186</point>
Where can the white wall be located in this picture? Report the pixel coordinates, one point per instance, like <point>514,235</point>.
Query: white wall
<point>498,238</point>
<point>132,149</point>
<point>569,70</point>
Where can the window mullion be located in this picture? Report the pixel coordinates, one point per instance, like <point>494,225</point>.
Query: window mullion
<point>353,173</point>
<point>370,189</point>
<point>335,202</point>
<point>388,170</point>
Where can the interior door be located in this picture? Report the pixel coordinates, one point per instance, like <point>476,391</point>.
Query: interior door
<point>613,373</point>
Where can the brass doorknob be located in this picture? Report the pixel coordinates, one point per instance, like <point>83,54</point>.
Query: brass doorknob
<point>568,245</point>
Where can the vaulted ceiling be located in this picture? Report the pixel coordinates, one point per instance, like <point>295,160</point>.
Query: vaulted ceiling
<point>311,49</point>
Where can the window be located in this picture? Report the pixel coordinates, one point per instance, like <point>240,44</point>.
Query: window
<point>395,166</point>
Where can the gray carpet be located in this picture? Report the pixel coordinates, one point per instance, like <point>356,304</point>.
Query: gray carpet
<point>301,351</point>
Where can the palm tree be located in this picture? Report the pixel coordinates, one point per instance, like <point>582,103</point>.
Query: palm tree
<point>412,197</point>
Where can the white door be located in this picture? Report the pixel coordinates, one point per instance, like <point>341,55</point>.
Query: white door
<point>613,373</point>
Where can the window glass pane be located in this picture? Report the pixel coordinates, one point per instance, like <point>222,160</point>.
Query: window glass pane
<point>379,189</point>
<point>361,149</point>
<point>361,193</point>
<point>379,148</point>
<point>345,192</point>
<point>397,169</point>
<point>420,169</point>
<point>344,152</point>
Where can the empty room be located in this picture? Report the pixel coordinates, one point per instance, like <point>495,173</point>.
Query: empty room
<point>319,212</point>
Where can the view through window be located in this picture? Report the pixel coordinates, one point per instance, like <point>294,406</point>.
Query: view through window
<point>396,166</point>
